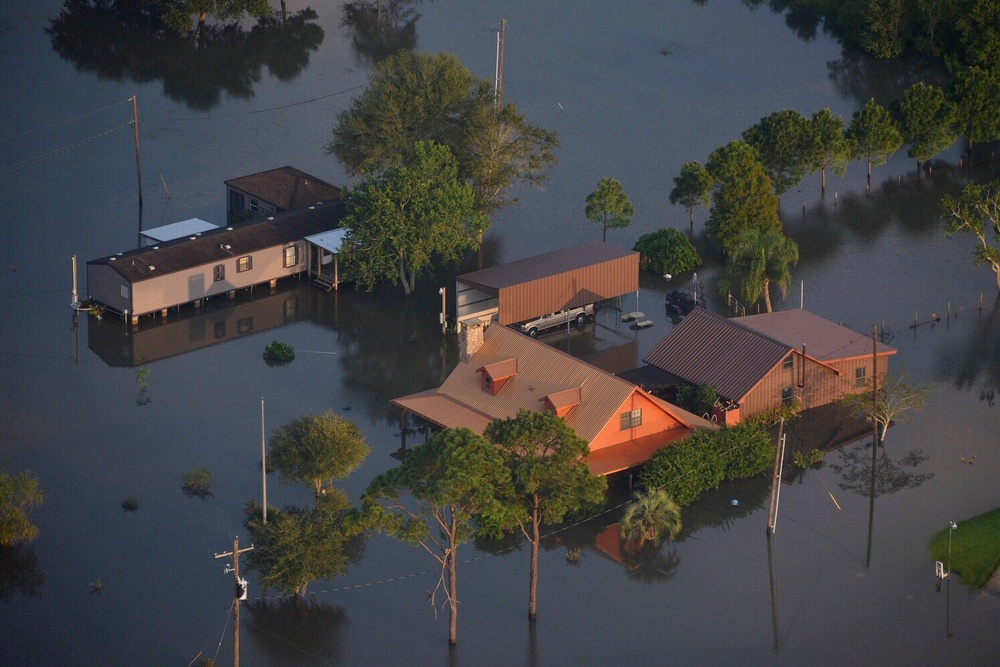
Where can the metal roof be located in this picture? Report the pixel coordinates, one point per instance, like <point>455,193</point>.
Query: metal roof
<point>553,263</point>
<point>222,243</point>
<point>330,241</point>
<point>824,340</point>
<point>178,229</point>
<point>286,187</point>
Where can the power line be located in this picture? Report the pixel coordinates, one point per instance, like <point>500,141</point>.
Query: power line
<point>68,120</point>
<point>254,111</point>
<point>46,156</point>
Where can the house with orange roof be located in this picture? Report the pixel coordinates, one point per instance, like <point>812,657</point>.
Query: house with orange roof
<point>760,362</point>
<point>502,371</point>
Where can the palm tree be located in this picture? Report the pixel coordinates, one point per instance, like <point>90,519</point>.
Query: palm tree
<point>652,516</point>
<point>761,259</point>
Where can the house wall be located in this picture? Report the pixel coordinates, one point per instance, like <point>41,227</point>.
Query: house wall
<point>238,201</point>
<point>104,285</point>
<point>182,287</point>
<point>654,420</point>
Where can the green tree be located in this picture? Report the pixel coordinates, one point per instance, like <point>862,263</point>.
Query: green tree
<point>698,399</point>
<point>180,14</point>
<point>974,94</point>
<point>894,396</point>
<point>433,497</point>
<point>667,251</point>
<point>873,135</point>
<point>781,141</point>
<point>925,120</point>
<point>827,148</point>
<point>317,450</point>
<point>413,97</point>
<point>977,212</point>
<point>742,198</point>
<point>298,545</point>
<point>886,28</point>
<point>550,476</point>
<point>610,206</point>
<point>19,494</point>
<point>405,219</point>
<point>651,517</point>
<point>692,187</point>
<point>760,260</point>
<point>977,23</point>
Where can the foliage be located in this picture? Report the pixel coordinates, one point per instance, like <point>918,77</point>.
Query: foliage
<point>925,120</point>
<point>890,475</point>
<point>692,187</point>
<point>317,450</point>
<point>277,353</point>
<point>610,206</point>
<point>19,573</point>
<point>975,548</point>
<point>197,482</point>
<point>413,97</point>
<point>403,220</point>
<point>772,416</point>
<point>299,545</point>
<point>130,504</point>
<point>894,396</point>
<point>667,251</point>
<point>827,147</point>
<point>703,460</point>
<point>782,140</point>
<point>698,399</point>
<point>873,135</point>
<point>742,197</point>
<point>180,14</point>
<point>760,260</point>
<point>19,494</point>
<point>432,498</point>
<point>808,459</point>
<point>974,93</point>
<point>547,461</point>
<point>651,517</point>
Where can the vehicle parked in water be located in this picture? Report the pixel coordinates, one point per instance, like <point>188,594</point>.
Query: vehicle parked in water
<point>578,315</point>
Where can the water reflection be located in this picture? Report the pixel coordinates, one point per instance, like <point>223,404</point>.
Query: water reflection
<point>19,573</point>
<point>294,631</point>
<point>380,28</point>
<point>977,362</point>
<point>117,41</point>
<point>891,474</point>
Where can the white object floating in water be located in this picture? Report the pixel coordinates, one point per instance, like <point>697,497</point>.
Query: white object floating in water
<point>734,502</point>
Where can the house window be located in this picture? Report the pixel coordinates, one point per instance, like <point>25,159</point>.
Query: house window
<point>244,325</point>
<point>631,419</point>
<point>219,272</point>
<point>487,383</point>
<point>860,376</point>
<point>244,264</point>
<point>788,363</point>
<point>220,330</point>
<point>254,206</point>
<point>126,292</point>
<point>787,396</point>
<point>291,256</point>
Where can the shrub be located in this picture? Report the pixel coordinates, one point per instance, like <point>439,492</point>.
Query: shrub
<point>808,459</point>
<point>667,251</point>
<point>130,504</point>
<point>278,353</point>
<point>196,482</point>
<point>697,399</point>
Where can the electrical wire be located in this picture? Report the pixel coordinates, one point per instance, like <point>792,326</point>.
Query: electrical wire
<point>68,120</point>
<point>46,156</point>
<point>225,625</point>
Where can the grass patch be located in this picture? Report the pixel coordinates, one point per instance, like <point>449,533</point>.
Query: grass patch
<point>975,548</point>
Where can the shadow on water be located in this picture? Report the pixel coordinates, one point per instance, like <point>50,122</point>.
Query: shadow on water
<point>380,28</point>
<point>977,362</point>
<point>294,631</point>
<point>119,43</point>
<point>891,474</point>
<point>19,573</point>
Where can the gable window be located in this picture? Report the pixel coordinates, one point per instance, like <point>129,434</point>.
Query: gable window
<point>126,292</point>
<point>487,383</point>
<point>219,272</point>
<point>631,419</point>
<point>291,256</point>
<point>788,363</point>
<point>860,376</point>
<point>254,206</point>
<point>244,264</point>
<point>787,396</point>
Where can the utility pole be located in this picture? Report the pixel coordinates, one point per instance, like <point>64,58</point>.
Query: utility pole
<point>263,457</point>
<point>498,89</point>
<point>138,166</point>
<point>239,593</point>
<point>779,463</point>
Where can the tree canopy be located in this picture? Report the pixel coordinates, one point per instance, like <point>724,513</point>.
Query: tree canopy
<point>742,198</point>
<point>894,396</point>
<point>19,494</point>
<point>651,517</point>
<point>667,251</point>
<point>317,450</point>
<point>405,219</point>
<point>977,212</point>
<point>433,498</point>
<point>550,476</point>
<point>782,140</point>
<point>975,96</point>
<point>692,187</point>
<point>827,148</point>
<point>610,206</point>
<point>925,120</point>
<point>874,135</point>
<point>760,260</point>
<point>180,14</point>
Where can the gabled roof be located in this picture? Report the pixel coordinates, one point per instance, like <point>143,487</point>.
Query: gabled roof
<point>542,371</point>
<point>824,340</point>
<point>286,187</point>
<point>223,243</point>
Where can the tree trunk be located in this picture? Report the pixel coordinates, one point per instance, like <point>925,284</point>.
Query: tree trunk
<point>536,540</point>
<point>691,212</point>
<point>868,187</point>
<point>453,595</point>
<point>822,181</point>
<point>767,294</point>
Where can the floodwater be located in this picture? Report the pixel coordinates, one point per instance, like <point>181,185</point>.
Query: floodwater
<point>634,91</point>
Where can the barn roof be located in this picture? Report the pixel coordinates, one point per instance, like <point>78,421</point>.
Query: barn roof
<point>286,187</point>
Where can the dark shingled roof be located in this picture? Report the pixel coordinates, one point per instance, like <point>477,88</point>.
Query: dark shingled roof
<point>286,187</point>
<point>541,266</point>
<point>210,246</point>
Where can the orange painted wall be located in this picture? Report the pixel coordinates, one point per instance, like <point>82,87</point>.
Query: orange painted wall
<point>654,420</point>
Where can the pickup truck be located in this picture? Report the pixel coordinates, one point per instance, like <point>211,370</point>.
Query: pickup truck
<point>578,315</point>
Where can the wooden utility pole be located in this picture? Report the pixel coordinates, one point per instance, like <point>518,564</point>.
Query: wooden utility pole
<point>239,593</point>
<point>263,457</point>
<point>138,165</point>
<point>501,38</point>
<point>779,462</point>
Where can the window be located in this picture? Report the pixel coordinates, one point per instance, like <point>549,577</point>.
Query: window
<point>860,376</point>
<point>487,383</point>
<point>244,264</point>
<point>126,292</point>
<point>244,325</point>
<point>219,272</point>
<point>220,329</point>
<point>631,419</point>
<point>787,396</point>
<point>254,206</point>
<point>788,363</point>
<point>291,256</point>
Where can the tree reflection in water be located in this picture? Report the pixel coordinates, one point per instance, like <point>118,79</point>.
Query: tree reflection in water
<point>116,41</point>
<point>977,363</point>
<point>19,573</point>
<point>380,28</point>
<point>293,631</point>
<point>891,475</point>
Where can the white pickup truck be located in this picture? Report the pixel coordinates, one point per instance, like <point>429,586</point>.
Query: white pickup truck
<point>578,315</point>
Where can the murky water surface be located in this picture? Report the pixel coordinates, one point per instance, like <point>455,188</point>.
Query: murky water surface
<point>634,91</point>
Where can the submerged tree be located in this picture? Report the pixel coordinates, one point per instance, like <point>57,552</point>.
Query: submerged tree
<point>19,494</point>
<point>651,517</point>
<point>782,140</point>
<point>550,476</point>
<point>433,497</point>
<point>894,396</point>
<point>610,206</point>
<point>977,212</point>
<point>827,148</point>
<point>874,135</point>
<point>667,251</point>
<point>925,119</point>
<point>760,260</point>
<point>693,187</point>
<point>317,450</point>
<point>742,198</point>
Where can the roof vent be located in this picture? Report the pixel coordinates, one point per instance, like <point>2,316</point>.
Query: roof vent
<point>191,238</point>
<point>312,208</point>
<point>152,268</point>
<point>119,254</point>
<point>156,247</point>
<point>229,229</point>
<point>111,259</point>
<point>270,217</point>
<point>228,247</point>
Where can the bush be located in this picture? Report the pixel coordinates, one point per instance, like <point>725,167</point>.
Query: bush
<point>702,461</point>
<point>667,251</point>
<point>804,460</point>
<point>278,353</point>
<point>697,399</point>
<point>196,482</point>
